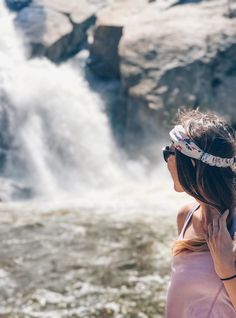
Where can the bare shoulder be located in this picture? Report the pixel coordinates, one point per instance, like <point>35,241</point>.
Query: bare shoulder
<point>182,213</point>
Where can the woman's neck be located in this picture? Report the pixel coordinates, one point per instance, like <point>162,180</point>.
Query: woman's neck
<point>204,215</point>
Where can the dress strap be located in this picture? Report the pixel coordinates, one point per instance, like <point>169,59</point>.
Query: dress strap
<point>188,217</point>
<point>233,225</point>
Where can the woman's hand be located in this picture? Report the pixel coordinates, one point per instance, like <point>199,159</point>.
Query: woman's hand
<point>221,246</point>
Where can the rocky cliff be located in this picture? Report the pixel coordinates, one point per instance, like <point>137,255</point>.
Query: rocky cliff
<point>55,28</point>
<point>166,53</point>
<point>173,55</point>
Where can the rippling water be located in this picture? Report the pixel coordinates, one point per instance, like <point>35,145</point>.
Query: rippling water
<point>111,259</point>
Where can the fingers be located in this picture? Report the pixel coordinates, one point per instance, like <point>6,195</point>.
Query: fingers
<point>223,218</point>
<point>235,236</point>
<point>215,226</point>
<point>210,231</point>
<point>234,248</point>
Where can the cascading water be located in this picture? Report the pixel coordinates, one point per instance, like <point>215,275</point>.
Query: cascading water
<point>57,134</point>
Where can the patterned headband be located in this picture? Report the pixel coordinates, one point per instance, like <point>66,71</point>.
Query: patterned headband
<point>186,146</point>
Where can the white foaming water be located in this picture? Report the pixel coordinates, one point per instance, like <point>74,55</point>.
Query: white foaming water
<point>62,139</point>
<point>61,143</point>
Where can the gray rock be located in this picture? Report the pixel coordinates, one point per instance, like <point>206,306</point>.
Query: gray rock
<point>104,58</point>
<point>43,25</point>
<point>6,129</point>
<point>17,5</point>
<point>78,11</point>
<point>55,28</point>
<point>187,1</point>
<point>169,57</point>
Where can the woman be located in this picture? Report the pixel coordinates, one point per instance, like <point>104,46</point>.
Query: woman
<point>201,160</point>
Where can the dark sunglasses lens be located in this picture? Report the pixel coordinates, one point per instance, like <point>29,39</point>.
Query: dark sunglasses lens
<point>166,153</point>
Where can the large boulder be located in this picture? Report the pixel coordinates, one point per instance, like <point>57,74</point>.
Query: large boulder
<point>44,28</point>
<point>104,58</point>
<point>56,28</point>
<point>174,56</point>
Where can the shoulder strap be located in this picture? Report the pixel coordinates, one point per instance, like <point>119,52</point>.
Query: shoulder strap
<point>233,225</point>
<point>188,217</point>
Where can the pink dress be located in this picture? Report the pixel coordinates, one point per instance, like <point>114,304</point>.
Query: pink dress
<point>195,290</point>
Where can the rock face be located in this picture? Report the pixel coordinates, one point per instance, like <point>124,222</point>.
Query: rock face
<point>104,58</point>
<point>174,56</point>
<point>43,28</point>
<point>17,5</point>
<point>104,51</point>
<point>56,28</point>
<point>167,53</point>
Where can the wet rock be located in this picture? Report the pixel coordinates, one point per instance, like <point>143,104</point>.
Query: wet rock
<point>14,190</point>
<point>17,5</point>
<point>172,56</point>
<point>6,128</point>
<point>187,1</point>
<point>43,28</point>
<point>104,58</point>
<point>57,29</point>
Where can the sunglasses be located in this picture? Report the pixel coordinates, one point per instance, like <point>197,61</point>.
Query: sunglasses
<point>167,153</point>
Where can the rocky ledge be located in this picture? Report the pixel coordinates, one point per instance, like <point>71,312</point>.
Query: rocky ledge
<point>166,53</point>
<point>55,28</point>
<point>170,55</point>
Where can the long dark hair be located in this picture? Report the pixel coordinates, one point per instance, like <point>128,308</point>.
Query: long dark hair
<point>214,186</point>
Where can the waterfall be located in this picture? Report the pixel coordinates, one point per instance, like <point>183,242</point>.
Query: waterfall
<point>55,135</point>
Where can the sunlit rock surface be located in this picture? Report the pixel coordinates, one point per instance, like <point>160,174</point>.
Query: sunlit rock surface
<point>57,29</point>
<point>175,60</point>
<point>173,55</point>
<point>166,53</point>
